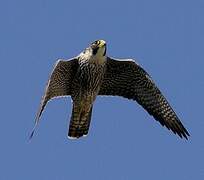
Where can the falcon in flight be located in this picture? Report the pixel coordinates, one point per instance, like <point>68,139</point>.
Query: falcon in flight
<point>92,73</point>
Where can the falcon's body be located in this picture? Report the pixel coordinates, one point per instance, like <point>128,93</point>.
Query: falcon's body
<point>85,88</point>
<point>92,73</point>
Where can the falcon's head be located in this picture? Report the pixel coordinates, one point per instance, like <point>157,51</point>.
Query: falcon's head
<point>99,48</point>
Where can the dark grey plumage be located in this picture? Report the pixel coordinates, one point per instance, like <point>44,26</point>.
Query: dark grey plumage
<point>85,88</point>
<point>129,80</point>
<point>91,74</point>
<point>59,84</point>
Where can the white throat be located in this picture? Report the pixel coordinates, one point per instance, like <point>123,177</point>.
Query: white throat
<point>98,59</point>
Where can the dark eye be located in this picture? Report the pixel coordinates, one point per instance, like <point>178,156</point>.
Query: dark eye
<point>95,43</point>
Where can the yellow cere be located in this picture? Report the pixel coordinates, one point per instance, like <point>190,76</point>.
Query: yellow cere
<point>101,43</point>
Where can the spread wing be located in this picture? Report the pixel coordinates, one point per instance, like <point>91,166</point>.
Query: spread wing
<point>127,79</point>
<point>59,84</point>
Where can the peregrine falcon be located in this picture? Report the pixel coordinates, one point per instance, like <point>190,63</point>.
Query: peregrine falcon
<point>92,73</point>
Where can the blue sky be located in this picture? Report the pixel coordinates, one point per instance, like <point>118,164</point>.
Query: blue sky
<point>124,142</point>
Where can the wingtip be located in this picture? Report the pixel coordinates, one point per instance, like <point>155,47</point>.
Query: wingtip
<point>32,132</point>
<point>31,135</point>
<point>184,134</point>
